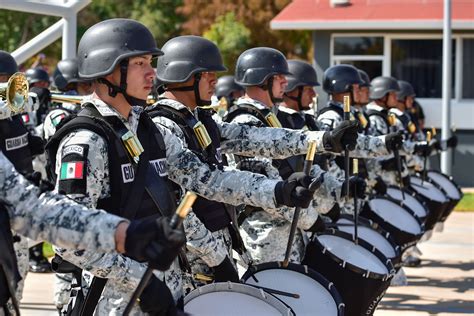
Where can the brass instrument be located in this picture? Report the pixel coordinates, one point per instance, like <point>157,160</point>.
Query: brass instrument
<point>65,98</point>
<point>15,92</point>
<point>220,106</point>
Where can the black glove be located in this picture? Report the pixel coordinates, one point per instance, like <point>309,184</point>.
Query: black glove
<point>36,144</point>
<point>452,141</point>
<point>153,240</point>
<point>356,184</point>
<point>422,149</point>
<point>340,137</point>
<point>318,226</point>
<point>380,186</point>
<point>156,299</point>
<point>43,185</point>
<point>436,144</point>
<point>297,190</point>
<point>394,141</point>
<point>225,271</point>
<point>406,181</point>
<point>334,213</point>
<point>389,164</point>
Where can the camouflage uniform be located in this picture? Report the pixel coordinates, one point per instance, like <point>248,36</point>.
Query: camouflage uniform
<point>265,231</point>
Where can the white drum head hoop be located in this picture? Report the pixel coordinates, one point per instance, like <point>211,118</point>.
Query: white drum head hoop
<point>313,296</point>
<point>451,190</point>
<point>354,254</point>
<point>371,236</point>
<point>395,215</point>
<point>409,201</point>
<point>234,300</point>
<point>427,190</point>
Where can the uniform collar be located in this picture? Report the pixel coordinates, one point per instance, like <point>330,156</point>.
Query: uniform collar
<point>374,106</point>
<point>396,111</point>
<point>259,105</point>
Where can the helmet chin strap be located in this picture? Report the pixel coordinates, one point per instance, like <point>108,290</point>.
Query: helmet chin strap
<point>194,87</point>
<point>297,99</point>
<point>268,86</point>
<point>114,90</point>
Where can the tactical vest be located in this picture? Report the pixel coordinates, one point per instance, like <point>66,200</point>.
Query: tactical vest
<point>248,109</point>
<point>14,143</point>
<point>382,114</point>
<point>137,190</point>
<point>408,125</point>
<point>213,214</point>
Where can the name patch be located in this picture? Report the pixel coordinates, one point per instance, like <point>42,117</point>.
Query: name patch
<point>16,142</point>
<point>128,174</point>
<point>160,166</point>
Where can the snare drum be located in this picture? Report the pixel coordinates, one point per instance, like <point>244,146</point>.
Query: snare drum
<point>360,272</point>
<point>374,235</point>
<point>410,201</point>
<point>435,199</point>
<point>316,294</point>
<point>449,188</point>
<point>233,299</point>
<point>405,227</point>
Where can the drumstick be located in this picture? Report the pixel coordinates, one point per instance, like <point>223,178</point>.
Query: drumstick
<point>396,153</point>
<point>308,163</point>
<point>177,219</point>
<point>273,291</point>
<point>347,117</point>
<point>355,171</point>
<point>428,140</point>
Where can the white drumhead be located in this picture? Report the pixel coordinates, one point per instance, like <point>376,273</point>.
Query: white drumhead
<point>449,187</point>
<point>241,300</point>
<point>395,215</point>
<point>313,296</point>
<point>428,190</point>
<point>355,254</point>
<point>409,200</point>
<point>370,235</point>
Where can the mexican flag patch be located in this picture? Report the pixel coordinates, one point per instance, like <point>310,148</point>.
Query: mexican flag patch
<point>72,170</point>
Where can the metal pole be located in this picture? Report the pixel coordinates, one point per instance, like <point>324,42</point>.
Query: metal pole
<point>446,161</point>
<point>69,36</point>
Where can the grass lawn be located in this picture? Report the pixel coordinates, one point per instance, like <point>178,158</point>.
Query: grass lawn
<point>466,204</point>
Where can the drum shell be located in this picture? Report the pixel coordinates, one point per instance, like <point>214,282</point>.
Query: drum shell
<point>361,292</point>
<point>452,201</point>
<point>397,260</point>
<point>402,238</point>
<point>329,286</point>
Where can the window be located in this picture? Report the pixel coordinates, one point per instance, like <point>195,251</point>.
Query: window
<point>372,67</point>
<point>467,69</point>
<point>420,62</point>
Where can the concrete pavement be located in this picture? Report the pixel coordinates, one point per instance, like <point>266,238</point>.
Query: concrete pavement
<point>443,285</point>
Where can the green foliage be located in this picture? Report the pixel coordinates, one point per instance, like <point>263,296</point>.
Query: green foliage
<point>231,36</point>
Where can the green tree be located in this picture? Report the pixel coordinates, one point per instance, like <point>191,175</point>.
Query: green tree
<point>231,36</point>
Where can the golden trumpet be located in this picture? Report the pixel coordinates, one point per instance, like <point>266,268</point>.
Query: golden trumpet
<point>222,105</point>
<point>15,92</point>
<point>65,98</point>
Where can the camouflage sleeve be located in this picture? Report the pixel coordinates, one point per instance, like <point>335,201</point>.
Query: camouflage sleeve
<point>232,187</point>
<point>328,193</point>
<point>53,217</point>
<point>378,125</point>
<point>202,243</point>
<point>277,143</point>
<point>408,147</point>
<point>370,147</point>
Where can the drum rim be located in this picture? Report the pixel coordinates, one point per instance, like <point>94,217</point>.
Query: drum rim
<point>371,224</point>
<point>450,179</point>
<point>417,218</point>
<point>365,273</point>
<point>269,297</point>
<point>414,196</point>
<point>304,269</point>
<point>426,197</point>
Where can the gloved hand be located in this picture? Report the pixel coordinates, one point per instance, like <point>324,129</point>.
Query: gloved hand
<point>225,271</point>
<point>153,240</point>
<point>394,141</point>
<point>297,190</point>
<point>436,144</point>
<point>357,185</point>
<point>340,137</point>
<point>452,141</point>
<point>43,185</point>
<point>318,226</point>
<point>422,149</point>
<point>36,144</point>
<point>406,181</point>
<point>334,213</point>
<point>389,164</point>
<point>157,300</point>
<point>380,186</point>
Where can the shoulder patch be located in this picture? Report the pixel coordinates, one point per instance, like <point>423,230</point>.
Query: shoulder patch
<point>73,172</point>
<point>80,150</point>
<point>16,142</point>
<point>160,166</point>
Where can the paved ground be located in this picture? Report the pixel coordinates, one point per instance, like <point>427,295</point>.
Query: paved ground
<point>444,285</point>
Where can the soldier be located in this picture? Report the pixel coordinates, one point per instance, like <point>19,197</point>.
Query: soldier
<point>116,55</point>
<point>228,89</point>
<point>39,82</point>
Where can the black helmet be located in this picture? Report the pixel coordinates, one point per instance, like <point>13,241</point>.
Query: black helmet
<point>365,77</point>
<point>36,75</point>
<point>8,65</point>
<point>104,45</point>
<point>302,74</point>
<point>225,86</point>
<point>66,72</point>
<point>380,86</point>
<point>256,65</point>
<point>340,78</point>
<point>406,90</point>
<point>185,56</point>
